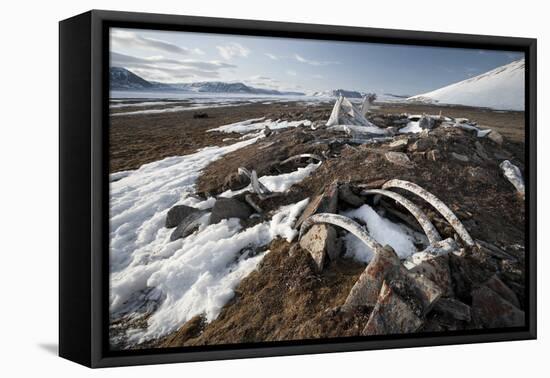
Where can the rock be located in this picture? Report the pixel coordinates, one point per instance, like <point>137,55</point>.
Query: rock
<point>178,213</point>
<point>187,226</point>
<point>419,290</point>
<point>496,137</point>
<point>490,310</point>
<point>225,208</point>
<point>421,145</point>
<point>366,290</point>
<point>416,156</point>
<point>327,202</point>
<point>453,308</point>
<point>481,151</point>
<point>235,181</point>
<point>398,158</point>
<point>460,157</point>
<point>437,271</point>
<point>200,115</point>
<point>398,144</point>
<point>391,315</point>
<point>345,194</point>
<point>267,131</point>
<point>501,289</point>
<point>320,241</point>
<point>426,123</point>
<point>433,155</point>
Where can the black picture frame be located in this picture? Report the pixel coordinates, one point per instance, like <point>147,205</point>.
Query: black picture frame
<point>83,181</point>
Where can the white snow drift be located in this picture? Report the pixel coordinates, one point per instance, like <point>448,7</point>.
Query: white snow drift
<point>191,276</point>
<point>502,88</point>
<point>382,230</point>
<point>256,124</point>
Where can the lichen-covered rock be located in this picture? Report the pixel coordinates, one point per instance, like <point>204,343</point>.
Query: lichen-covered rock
<point>495,284</point>
<point>496,137</point>
<point>437,270</point>
<point>346,195</point>
<point>366,290</point>
<point>398,158</point>
<point>187,226</point>
<point>391,315</point>
<point>490,310</point>
<point>453,308</point>
<point>320,242</point>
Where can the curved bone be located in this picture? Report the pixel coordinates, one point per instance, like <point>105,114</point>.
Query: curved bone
<point>259,188</point>
<point>436,203</point>
<point>345,223</point>
<point>423,220</point>
<point>296,157</point>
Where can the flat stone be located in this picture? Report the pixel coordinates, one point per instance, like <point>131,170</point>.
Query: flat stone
<point>391,315</point>
<point>366,290</point>
<point>226,208</point>
<point>421,145</point>
<point>320,242</point>
<point>495,137</point>
<point>398,144</point>
<point>327,202</point>
<point>437,271</point>
<point>346,195</point>
<point>481,151</point>
<point>426,123</point>
<point>499,287</point>
<point>178,213</point>
<point>460,157</point>
<point>398,158</point>
<point>490,310</point>
<point>453,308</point>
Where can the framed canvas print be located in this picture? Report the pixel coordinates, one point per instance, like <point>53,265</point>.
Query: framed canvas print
<point>233,188</point>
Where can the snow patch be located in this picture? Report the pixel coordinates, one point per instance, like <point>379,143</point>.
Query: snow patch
<point>380,229</point>
<point>256,124</point>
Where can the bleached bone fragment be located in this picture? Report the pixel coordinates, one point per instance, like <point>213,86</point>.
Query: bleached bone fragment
<point>367,103</point>
<point>345,113</point>
<point>366,289</point>
<point>440,248</point>
<point>302,156</point>
<point>436,203</point>
<point>513,174</point>
<point>345,223</point>
<point>250,201</point>
<point>260,189</point>
<point>421,217</point>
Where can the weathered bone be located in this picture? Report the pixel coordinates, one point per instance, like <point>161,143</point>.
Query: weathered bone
<point>250,201</point>
<point>421,217</point>
<point>297,157</point>
<point>260,189</point>
<point>436,203</point>
<point>345,223</point>
<point>513,174</point>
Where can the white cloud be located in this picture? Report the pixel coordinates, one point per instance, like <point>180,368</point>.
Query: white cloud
<point>233,50</point>
<point>158,68</point>
<point>301,59</point>
<point>291,73</point>
<point>127,39</point>
<point>272,56</point>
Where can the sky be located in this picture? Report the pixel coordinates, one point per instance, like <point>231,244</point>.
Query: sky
<point>297,64</point>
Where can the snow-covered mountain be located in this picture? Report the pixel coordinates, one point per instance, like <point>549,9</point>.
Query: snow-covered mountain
<point>337,93</point>
<point>223,87</point>
<point>122,79</point>
<point>501,88</point>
